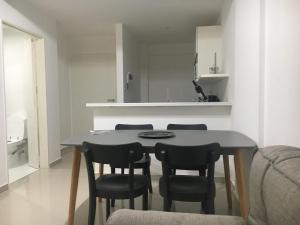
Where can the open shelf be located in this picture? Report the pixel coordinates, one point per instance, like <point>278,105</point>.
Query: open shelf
<point>213,78</point>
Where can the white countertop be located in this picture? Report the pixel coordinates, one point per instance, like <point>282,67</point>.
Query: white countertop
<point>160,104</point>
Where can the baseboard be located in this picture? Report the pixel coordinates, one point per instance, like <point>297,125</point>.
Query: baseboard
<point>4,188</point>
<point>55,162</point>
<point>65,150</point>
<point>63,147</point>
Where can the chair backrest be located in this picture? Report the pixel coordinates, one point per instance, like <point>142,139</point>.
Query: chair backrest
<point>188,157</point>
<point>121,155</point>
<point>134,127</point>
<point>275,186</point>
<point>186,127</point>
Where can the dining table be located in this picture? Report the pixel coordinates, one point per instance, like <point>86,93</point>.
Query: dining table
<point>240,146</point>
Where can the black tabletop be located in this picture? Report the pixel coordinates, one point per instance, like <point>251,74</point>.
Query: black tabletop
<point>229,140</point>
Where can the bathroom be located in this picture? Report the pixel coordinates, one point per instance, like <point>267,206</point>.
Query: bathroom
<point>21,103</point>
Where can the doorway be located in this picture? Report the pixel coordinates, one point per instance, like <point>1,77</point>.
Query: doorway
<point>21,103</point>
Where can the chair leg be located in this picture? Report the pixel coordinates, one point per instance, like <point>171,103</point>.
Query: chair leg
<point>147,173</point>
<point>92,210</point>
<point>174,172</point>
<point>131,203</point>
<point>204,206</point>
<point>208,206</point>
<point>202,172</point>
<point>211,206</point>
<point>227,180</point>
<point>170,204</point>
<point>101,171</point>
<point>112,203</point>
<point>166,205</point>
<point>107,209</point>
<point>113,170</point>
<point>145,201</point>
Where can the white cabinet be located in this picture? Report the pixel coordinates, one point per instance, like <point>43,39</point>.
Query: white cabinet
<point>209,43</point>
<point>209,51</point>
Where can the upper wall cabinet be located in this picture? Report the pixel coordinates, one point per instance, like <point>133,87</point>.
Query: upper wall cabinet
<point>209,50</point>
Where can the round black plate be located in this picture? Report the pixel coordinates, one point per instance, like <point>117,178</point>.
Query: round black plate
<point>156,134</point>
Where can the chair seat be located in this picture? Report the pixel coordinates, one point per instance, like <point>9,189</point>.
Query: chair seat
<point>185,188</point>
<point>115,186</point>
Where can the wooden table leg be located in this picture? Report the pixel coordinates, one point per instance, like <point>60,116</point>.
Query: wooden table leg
<point>74,184</point>
<point>101,170</point>
<point>241,183</point>
<point>227,180</point>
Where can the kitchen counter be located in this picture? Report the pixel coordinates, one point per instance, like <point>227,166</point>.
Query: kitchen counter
<point>161,104</point>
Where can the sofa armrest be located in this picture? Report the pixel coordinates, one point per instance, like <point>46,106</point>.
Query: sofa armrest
<point>136,217</point>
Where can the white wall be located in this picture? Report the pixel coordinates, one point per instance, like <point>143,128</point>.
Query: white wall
<point>262,42</point>
<point>128,56</point>
<point>92,80</point>
<point>33,21</point>
<point>241,34</point>
<point>92,77</point>
<point>64,84</point>
<point>168,73</point>
<point>92,44</point>
<point>131,64</point>
<point>246,92</point>
<point>119,63</point>
<point>242,41</point>
<point>161,72</point>
<point>281,73</point>
<point>228,32</point>
<point>228,36</point>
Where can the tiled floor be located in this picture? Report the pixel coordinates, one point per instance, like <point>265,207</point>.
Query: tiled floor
<point>42,198</point>
<point>19,172</point>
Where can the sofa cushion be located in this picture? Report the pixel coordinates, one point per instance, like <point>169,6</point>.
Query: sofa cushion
<point>275,186</point>
<point>136,217</point>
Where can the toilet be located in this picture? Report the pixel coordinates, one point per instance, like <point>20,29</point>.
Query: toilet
<point>17,140</point>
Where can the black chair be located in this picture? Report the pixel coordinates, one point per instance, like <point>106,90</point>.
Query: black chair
<point>201,171</point>
<point>143,163</point>
<point>134,127</point>
<point>188,127</point>
<point>114,186</point>
<point>186,187</point>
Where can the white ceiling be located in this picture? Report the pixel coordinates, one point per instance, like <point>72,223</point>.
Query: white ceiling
<point>151,20</point>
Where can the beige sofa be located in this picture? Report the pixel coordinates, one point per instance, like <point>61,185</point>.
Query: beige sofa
<point>274,196</point>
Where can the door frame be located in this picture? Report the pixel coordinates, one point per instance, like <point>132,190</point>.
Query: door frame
<point>39,68</point>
